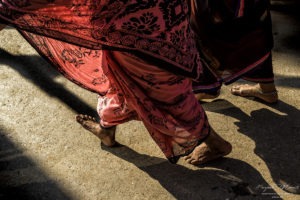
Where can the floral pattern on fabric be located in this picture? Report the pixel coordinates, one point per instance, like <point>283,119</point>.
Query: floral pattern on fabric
<point>156,28</point>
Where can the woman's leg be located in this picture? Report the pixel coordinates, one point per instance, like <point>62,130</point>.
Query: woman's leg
<point>264,87</point>
<point>210,149</point>
<point>106,135</point>
<point>231,45</point>
<point>165,103</point>
<point>112,110</point>
<point>130,88</point>
<point>264,91</point>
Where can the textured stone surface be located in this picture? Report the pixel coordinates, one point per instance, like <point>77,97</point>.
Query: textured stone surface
<point>45,154</point>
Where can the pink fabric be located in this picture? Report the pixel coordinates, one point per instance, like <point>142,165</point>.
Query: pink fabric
<point>157,28</point>
<point>71,36</point>
<point>163,101</point>
<point>132,89</point>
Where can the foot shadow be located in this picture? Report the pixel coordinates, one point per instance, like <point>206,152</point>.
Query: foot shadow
<point>231,179</point>
<point>276,136</point>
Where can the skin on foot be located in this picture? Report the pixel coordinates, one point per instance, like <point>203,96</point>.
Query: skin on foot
<point>212,148</point>
<point>266,92</point>
<point>107,136</point>
<point>201,96</point>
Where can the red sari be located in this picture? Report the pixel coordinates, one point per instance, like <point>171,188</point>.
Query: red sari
<point>99,46</point>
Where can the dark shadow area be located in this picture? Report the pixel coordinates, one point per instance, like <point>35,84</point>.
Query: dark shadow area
<point>9,27</point>
<point>39,72</point>
<point>287,81</point>
<point>21,179</point>
<point>231,179</point>
<point>276,135</point>
<point>289,9</point>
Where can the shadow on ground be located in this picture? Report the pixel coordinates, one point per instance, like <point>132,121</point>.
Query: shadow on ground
<point>230,179</point>
<point>276,137</point>
<point>20,178</point>
<point>42,74</point>
<point>291,9</point>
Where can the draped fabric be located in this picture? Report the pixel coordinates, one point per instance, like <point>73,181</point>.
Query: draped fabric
<point>162,100</point>
<point>235,38</point>
<point>231,35</point>
<point>140,56</point>
<point>101,45</point>
<point>156,28</point>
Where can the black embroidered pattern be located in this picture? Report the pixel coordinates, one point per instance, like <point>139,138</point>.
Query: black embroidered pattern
<point>145,24</point>
<point>138,5</point>
<point>157,28</point>
<point>19,3</point>
<point>174,12</point>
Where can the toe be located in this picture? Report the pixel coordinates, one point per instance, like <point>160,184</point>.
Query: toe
<point>79,118</point>
<point>240,90</point>
<point>235,89</point>
<point>87,117</point>
<point>187,157</point>
<point>189,160</point>
<point>83,117</point>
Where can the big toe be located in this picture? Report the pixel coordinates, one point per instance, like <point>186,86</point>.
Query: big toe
<point>235,89</point>
<point>80,118</point>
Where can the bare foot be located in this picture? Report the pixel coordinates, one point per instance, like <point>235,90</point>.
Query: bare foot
<point>201,96</point>
<point>212,148</point>
<point>266,92</point>
<point>107,136</point>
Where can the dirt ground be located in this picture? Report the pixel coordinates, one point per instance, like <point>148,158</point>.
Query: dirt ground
<point>45,154</point>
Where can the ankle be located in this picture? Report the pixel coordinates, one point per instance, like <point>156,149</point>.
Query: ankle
<point>267,87</point>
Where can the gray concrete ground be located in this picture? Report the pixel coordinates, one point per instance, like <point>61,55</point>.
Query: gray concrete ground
<point>44,154</point>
